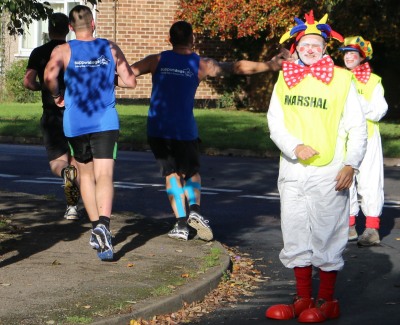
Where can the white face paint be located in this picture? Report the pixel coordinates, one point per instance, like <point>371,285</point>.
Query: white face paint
<point>352,59</point>
<point>311,48</point>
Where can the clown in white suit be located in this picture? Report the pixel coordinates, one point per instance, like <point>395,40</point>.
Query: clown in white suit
<point>316,120</point>
<point>368,183</point>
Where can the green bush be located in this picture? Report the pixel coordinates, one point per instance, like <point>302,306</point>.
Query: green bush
<point>227,100</point>
<point>14,84</point>
<point>231,100</point>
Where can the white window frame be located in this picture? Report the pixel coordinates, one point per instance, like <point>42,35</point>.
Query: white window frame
<point>35,29</point>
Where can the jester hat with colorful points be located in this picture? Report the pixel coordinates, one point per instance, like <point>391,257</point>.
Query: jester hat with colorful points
<point>357,43</point>
<point>310,26</point>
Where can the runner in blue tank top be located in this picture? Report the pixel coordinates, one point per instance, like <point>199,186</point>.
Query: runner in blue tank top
<point>171,126</point>
<point>91,121</point>
<point>89,95</point>
<point>171,114</point>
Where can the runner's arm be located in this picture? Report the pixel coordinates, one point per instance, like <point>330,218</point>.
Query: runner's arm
<point>30,81</point>
<point>51,72</point>
<point>123,68</point>
<point>144,66</point>
<point>212,68</point>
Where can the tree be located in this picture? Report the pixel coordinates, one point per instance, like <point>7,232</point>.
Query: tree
<point>253,27</point>
<point>376,20</point>
<point>23,12</point>
<point>246,18</point>
<point>271,18</point>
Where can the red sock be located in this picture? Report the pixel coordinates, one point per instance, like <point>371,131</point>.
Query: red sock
<point>352,221</point>
<point>372,222</point>
<point>303,281</point>
<point>327,282</point>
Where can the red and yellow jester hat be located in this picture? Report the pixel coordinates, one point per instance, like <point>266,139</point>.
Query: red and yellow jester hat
<point>310,27</point>
<point>357,43</point>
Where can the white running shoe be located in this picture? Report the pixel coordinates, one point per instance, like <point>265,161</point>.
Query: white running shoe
<point>198,222</point>
<point>71,213</point>
<point>179,232</point>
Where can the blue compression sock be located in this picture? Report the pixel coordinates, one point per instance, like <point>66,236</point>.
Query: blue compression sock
<point>177,192</point>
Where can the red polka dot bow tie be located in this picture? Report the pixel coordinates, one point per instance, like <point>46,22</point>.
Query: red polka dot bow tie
<point>294,73</point>
<point>362,72</point>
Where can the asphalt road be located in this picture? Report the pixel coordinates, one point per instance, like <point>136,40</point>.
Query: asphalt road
<point>241,200</point>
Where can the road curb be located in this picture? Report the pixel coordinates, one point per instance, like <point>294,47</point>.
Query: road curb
<point>391,162</point>
<point>195,291</point>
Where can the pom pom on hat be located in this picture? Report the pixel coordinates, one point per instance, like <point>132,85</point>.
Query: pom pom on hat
<point>310,26</point>
<point>357,43</point>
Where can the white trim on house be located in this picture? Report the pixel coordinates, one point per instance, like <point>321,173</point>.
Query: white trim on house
<point>37,33</point>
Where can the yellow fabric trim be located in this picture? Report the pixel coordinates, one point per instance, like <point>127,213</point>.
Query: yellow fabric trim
<point>366,91</point>
<point>312,112</point>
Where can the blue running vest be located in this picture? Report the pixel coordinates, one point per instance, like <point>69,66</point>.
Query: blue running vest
<point>89,95</point>
<point>175,82</point>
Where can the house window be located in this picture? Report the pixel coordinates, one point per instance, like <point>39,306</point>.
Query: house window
<point>37,33</point>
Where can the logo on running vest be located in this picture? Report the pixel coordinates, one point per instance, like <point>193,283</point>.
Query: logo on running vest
<point>102,60</point>
<point>177,72</point>
<point>305,101</point>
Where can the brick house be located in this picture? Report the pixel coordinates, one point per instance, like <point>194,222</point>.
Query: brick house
<point>139,27</point>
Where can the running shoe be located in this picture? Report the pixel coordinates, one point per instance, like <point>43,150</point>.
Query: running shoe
<point>71,213</point>
<point>71,190</point>
<point>198,222</point>
<point>369,237</point>
<point>93,242</point>
<point>179,232</point>
<point>103,236</point>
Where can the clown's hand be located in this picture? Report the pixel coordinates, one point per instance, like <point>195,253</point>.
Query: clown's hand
<point>344,178</point>
<point>305,152</point>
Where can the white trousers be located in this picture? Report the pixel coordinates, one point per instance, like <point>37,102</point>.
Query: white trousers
<point>314,216</point>
<point>369,181</point>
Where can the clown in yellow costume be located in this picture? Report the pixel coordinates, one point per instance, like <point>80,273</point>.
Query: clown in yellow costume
<point>316,120</point>
<point>368,182</point>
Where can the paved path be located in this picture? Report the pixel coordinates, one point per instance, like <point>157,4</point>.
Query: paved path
<point>49,274</point>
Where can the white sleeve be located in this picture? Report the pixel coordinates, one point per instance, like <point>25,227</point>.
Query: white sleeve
<point>377,106</point>
<point>354,124</point>
<point>278,132</point>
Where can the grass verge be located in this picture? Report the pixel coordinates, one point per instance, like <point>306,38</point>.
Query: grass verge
<point>219,129</point>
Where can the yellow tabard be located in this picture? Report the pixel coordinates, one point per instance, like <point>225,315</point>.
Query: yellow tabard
<point>366,91</point>
<point>312,112</point>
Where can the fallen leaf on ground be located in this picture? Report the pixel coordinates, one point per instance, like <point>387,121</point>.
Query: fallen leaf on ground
<point>134,322</point>
<point>239,285</point>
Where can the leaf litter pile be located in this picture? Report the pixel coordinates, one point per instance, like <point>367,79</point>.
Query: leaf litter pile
<point>236,285</point>
<point>7,229</point>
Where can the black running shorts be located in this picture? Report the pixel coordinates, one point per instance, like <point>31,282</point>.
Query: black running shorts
<point>175,156</point>
<point>99,145</point>
<point>54,140</point>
